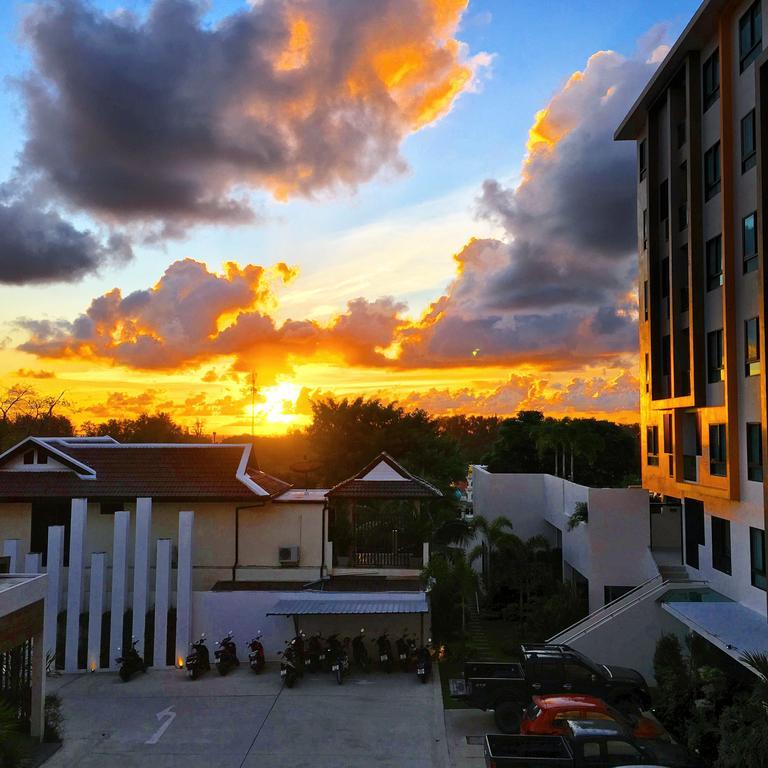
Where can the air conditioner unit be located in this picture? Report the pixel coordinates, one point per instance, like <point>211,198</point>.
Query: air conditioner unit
<point>289,555</point>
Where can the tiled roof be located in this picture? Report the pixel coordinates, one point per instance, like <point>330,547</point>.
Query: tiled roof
<point>408,486</point>
<point>162,471</point>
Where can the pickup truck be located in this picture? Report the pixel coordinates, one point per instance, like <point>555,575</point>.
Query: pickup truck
<point>596,744</point>
<point>546,669</point>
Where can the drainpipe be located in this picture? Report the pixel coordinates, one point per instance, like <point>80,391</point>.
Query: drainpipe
<point>237,535</point>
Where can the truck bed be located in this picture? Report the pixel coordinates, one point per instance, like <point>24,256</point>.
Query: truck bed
<point>539,751</point>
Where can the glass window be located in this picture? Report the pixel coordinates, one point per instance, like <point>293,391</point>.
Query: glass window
<point>681,134</point>
<point>749,242</point>
<point>645,228</point>
<point>576,673</point>
<point>645,300</point>
<point>715,369</point>
<point>616,747</point>
<point>29,457</point>
<point>664,278</point>
<point>757,558</point>
<point>667,433</point>
<point>751,347</point>
<point>647,372</point>
<point>652,446</point>
<point>682,210</point>
<point>721,544</point>
<point>748,145</point>
<point>642,158</point>
<point>683,267</point>
<point>754,453</point>
<point>714,250</point>
<point>750,35</point>
<point>712,171</point>
<point>711,78</point>
<point>663,200</point>
<point>717,450</point>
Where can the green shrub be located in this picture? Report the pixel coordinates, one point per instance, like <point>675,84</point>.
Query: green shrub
<point>54,720</point>
<point>13,748</point>
<point>744,733</point>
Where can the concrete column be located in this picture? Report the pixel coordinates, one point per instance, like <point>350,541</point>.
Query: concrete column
<point>162,599</point>
<point>184,586</point>
<point>53,569</point>
<point>37,703</point>
<point>32,563</point>
<point>12,549</point>
<point>119,549</point>
<point>95,610</point>
<point>141,568</point>
<point>77,525</point>
<point>425,554</point>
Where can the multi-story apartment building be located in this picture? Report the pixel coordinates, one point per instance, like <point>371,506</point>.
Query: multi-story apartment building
<point>700,126</point>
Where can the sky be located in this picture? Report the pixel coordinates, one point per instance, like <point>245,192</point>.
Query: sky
<point>418,200</point>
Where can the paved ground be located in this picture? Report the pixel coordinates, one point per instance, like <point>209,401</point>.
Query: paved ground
<point>163,720</point>
<point>465,729</point>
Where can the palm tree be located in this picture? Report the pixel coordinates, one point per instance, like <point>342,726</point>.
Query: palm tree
<point>497,535</point>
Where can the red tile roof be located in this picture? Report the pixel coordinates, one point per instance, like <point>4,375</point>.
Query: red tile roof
<point>162,471</point>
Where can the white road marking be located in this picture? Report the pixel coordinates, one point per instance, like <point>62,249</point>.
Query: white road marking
<point>169,716</point>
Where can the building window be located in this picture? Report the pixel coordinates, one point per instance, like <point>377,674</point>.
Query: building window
<point>664,206</point>
<point>712,171</point>
<point>751,347</point>
<point>757,558</point>
<point>29,457</point>
<point>681,131</point>
<point>647,373</point>
<point>645,229</point>
<point>684,279</point>
<point>721,544</point>
<point>750,35</point>
<point>684,349</point>
<point>714,263</point>
<point>642,159</point>
<point>645,300</point>
<point>682,210</point>
<point>748,145</point>
<point>652,447</point>
<point>666,360</point>
<point>667,433</point>
<point>717,450</point>
<point>715,370</point>
<point>664,278</point>
<point>42,458</point>
<point>749,242</point>
<point>711,78</point>
<point>754,453</point>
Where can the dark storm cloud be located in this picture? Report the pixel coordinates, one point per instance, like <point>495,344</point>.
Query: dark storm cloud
<point>38,246</point>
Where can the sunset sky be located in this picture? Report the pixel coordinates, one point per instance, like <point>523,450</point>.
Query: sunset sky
<point>412,199</point>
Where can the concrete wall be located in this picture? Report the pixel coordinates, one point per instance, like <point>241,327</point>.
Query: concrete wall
<point>244,613</point>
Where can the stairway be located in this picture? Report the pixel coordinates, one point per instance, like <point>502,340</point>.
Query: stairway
<point>676,573</point>
<point>476,636</point>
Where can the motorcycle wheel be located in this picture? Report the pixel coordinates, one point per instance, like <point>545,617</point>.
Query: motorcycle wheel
<point>290,679</point>
<point>339,675</point>
<point>125,675</point>
<point>221,668</point>
<point>194,673</point>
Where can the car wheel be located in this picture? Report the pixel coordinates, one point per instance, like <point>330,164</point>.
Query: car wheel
<point>507,715</point>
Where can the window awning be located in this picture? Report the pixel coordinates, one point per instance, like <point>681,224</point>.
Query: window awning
<point>730,626</point>
<point>375,604</point>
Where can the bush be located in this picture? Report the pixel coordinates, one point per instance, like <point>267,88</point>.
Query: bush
<point>13,749</point>
<point>744,733</point>
<point>54,720</point>
<point>579,515</point>
<point>674,700</point>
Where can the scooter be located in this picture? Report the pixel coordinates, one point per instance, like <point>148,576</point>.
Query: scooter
<point>360,652</point>
<point>289,671</point>
<point>131,662</point>
<point>424,661</point>
<point>256,658</point>
<point>226,655</point>
<point>315,654</point>
<point>406,647</point>
<point>339,657</point>
<point>298,644</point>
<point>385,652</point>
<point>199,659</point>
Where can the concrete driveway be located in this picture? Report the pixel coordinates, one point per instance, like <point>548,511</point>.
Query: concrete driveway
<point>243,720</point>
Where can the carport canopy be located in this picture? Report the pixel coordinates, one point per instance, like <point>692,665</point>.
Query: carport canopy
<point>299,606</point>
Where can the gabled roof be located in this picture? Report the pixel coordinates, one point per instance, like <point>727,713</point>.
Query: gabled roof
<point>104,468</point>
<point>384,478</point>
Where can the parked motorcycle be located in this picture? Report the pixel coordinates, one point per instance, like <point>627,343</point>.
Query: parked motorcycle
<point>315,655</point>
<point>299,646</point>
<point>131,662</point>
<point>406,648</point>
<point>289,670</point>
<point>256,658</point>
<point>339,657</point>
<point>360,652</point>
<point>424,661</point>
<point>385,652</point>
<point>226,655</point>
<point>199,660</point>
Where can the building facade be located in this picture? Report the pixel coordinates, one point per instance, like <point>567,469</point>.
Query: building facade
<point>699,128</point>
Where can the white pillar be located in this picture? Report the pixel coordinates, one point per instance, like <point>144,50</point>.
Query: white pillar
<point>37,693</point>
<point>12,549</point>
<point>162,597</point>
<point>141,568</point>
<point>53,569</point>
<point>119,549</point>
<point>184,586</point>
<point>95,610</point>
<point>32,563</point>
<point>77,525</point>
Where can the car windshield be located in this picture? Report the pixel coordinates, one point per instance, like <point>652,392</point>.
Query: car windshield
<point>589,663</point>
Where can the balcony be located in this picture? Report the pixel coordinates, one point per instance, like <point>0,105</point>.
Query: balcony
<point>691,469</point>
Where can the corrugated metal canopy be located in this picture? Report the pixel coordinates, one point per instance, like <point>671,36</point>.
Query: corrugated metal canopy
<point>358,605</point>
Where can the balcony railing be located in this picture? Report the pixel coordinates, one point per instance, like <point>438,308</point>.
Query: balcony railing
<point>385,560</point>
<point>690,469</point>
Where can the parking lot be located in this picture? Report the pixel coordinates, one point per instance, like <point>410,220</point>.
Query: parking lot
<point>245,720</point>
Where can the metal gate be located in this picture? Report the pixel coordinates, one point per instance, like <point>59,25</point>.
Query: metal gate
<point>16,680</point>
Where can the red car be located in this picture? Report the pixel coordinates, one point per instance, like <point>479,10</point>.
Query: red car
<point>548,715</point>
